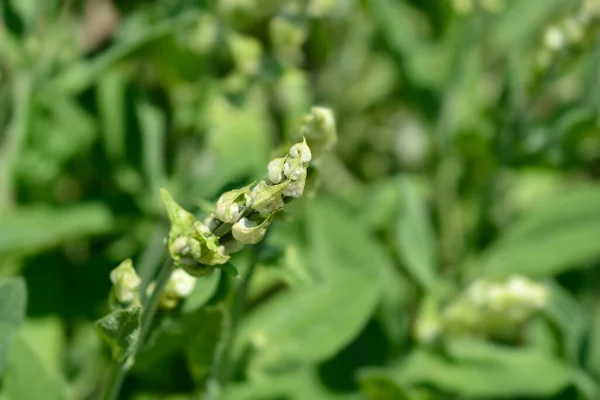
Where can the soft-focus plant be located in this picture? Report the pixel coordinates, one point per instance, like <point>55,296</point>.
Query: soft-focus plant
<point>445,245</point>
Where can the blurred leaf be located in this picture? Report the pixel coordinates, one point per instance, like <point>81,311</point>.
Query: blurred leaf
<point>558,235</point>
<point>204,339</point>
<point>479,369</point>
<point>377,385</point>
<point>45,337</point>
<point>300,383</point>
<point>592,359</point>
<point>15,137</point>
<point>570,317</point>
<point>80,75</point>
<point>522,20</point>
<point>153,129</point>
<point>13,298</point>
<point>29,230</point>
<point>416,240</point>
<point>203,290</point>
<point>311,324</point>
<point>340,244</point>
<point>110,97</point>
<point>238,142</point>
<point>28,378</point>
<point>120,330</point>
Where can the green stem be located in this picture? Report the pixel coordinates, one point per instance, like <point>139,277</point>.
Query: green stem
<point>221,369</point>
<point>119,371</point>
<point>236,315</point>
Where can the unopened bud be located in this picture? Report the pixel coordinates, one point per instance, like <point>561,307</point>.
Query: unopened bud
<point>231,204</point>
<point>267,199</point>
<point>275,170</point>
<point>125,281</point>
<point>249,232</point>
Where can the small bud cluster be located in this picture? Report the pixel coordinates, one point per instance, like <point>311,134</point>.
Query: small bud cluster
<point>125,282</point>
<point>192,245</point>
<point>246,213</point>
<point>568,33</point>
<point>318,127</point>
<point>487,305</point>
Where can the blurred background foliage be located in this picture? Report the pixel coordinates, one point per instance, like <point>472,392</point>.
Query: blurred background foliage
<point>469,149</point>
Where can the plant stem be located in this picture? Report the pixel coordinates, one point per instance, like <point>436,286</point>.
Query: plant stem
<point>119,371</point>
<point>236,314</point>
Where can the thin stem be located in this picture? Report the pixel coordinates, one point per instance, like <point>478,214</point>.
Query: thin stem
<point>236,314</point>
<point>119,371</point>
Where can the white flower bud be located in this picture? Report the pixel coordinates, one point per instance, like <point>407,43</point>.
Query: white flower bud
<point>302,151</point>
<point>275,170</point>
<point>231,204</point>
<point>295,187</point>
<point>249,232</point>
<point>180,284</point>
<point>267,199</point>
<point>125,281</point>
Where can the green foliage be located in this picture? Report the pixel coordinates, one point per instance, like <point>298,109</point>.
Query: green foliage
<point>120,329</point>
<point>445,245</point>
<point>13,296</point>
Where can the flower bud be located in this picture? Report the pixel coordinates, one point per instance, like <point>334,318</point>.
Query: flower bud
<point>302,151</point>
<point>180,284</point>
<point>125,281</point>
<point>318,128</point>
<point>267,199</point>
<point>248,232</point>
<point>179,217</point>
<point>231,204</point>
<point>275,170</point>
<point>295,187</point>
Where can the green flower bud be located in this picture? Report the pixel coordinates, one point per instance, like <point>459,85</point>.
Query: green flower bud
<point>181,220</point>
<point>318,128</point>
<point>249,232</point>
<point>267,199</point>
<point>275,170</point>
<point>191,244</point>
<point>231,204</point>
<point>125,281</point>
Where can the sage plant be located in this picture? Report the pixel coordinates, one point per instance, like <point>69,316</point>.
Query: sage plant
<point>197,248</point>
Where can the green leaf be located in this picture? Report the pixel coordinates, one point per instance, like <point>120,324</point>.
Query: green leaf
<point>13,298</point>
<point>238,142</point>
<point>522,21</point>
<point>311,324</point>
<point>570,317</point>
<point>376,384</point>
<point>30,230</point>
<point>110,97</point>
<point>46,338</point>
<point>203,290</point>
<point>204,340</point>
<point>195,335</point>
<point>415,235</point>
<point>569,224</point>
<point>479,369</point>
<point>153,129</point>
<point>28,378</point>
<point>120,329</point>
